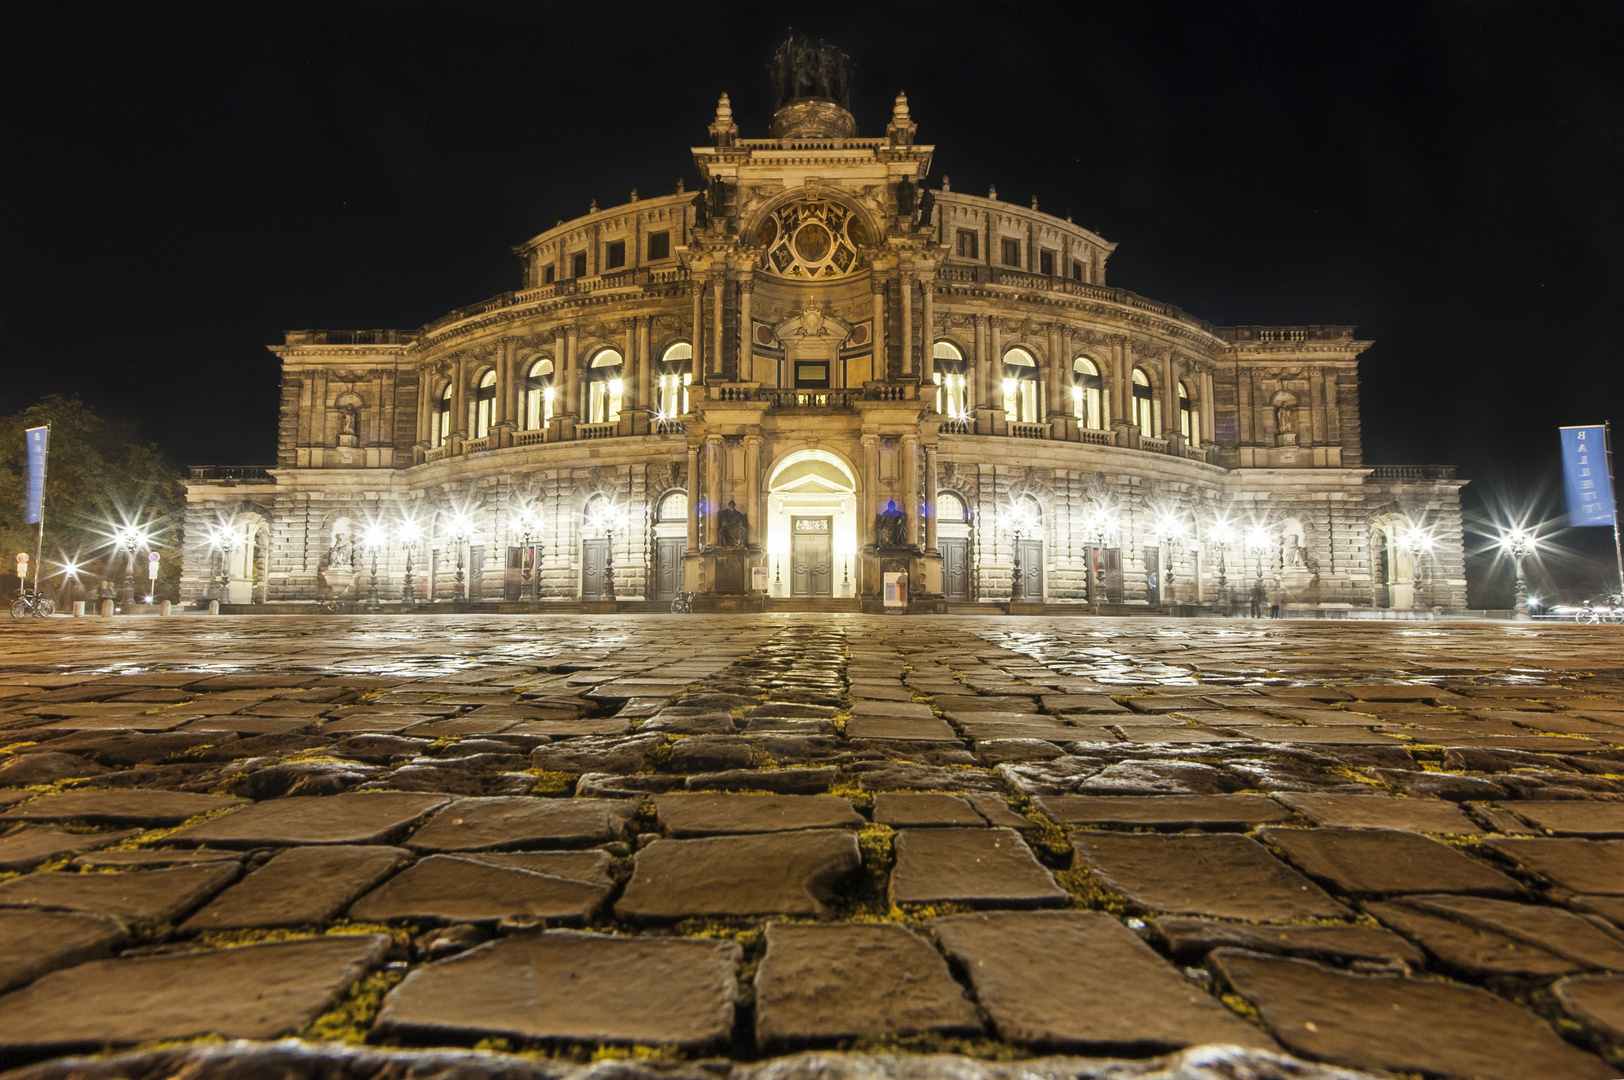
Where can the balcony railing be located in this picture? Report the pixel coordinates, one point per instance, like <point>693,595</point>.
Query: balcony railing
<point>530,438</point>
<point>1154,446</point>
<point>597,431</point>
<point>1094,438</point>
<point>1413,472</point>
<point>1029,431</point>
<point>251,474</point>
<point>476,446</point>
<point>437,453</point>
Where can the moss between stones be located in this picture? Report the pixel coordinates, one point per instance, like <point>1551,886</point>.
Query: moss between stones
<point>351,1018</point>
<point>553,784</point>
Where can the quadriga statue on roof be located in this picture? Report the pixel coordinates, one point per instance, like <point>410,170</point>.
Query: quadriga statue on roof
<point>802,69</point>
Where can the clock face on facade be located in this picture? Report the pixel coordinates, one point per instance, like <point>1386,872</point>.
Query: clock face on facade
<point>811,240</point>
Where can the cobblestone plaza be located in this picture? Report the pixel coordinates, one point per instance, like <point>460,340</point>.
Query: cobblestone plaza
<point>810,844</point>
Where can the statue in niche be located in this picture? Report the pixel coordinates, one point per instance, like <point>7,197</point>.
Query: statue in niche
<point>349,422</point>
<point>732,527</point>
<point>342,551</point>
<point>1294,552</point>
<point>891,526</point>
<point>905,199</point>
<point>1285,418</point>
<point>927,206</point>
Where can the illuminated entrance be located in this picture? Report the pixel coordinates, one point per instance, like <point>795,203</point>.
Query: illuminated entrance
<point>812,526</point>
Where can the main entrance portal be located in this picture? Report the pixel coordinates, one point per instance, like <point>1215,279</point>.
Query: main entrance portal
<point>812,526</point>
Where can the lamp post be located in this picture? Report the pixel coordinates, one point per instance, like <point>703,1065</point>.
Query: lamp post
<point>406,535</point>
<point>1518,542</point>
<point>373,537</point>
<point>460,529</point>
<point>1098,525</point>
<point>1417,542</point>
<point>129,537</point>
<point>226,541</point>
<point>528,570</point>
<point>606,521</point>
<point>1258,541</point>
<point>1170,531</point>
<point>1223,535</point>
<point>1020,518</point>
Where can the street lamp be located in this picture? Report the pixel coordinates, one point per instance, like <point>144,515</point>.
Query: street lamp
<point>226,540</point>
<point>1170,530</point>
<point>607,520</point>
<point>1222,535</point>
<point>406,534</point>
<point>129,537</point>
<point>529,567</point>
<point>1518,542</point>
<point>1258,541</point>
<point>1021,519</point>
<point>1098,525</point>
<point>460,530</point>
<point>1417,541</point>
<point>374,537</point>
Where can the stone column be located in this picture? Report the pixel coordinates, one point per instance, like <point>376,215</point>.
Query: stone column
<point>995,368</point>
<point>910,486</point>
<point>905,289</point>
<point>425,403</point>
<point>867,507</point>
<point>752,486</point>
<point>1059,368</point>
<point>927,329</point>
<point>718,283</point>
<point>1170,397</point>
<point>644,364</point>
<point>882,365</point>
<point>693,498</point>
<point>459,399</point>
<point>746,362</point>
<point>713,486</point>
<point>1209,433</point>
<point>979,383</point>
<point>697,287</point>
<point>571,381</point>
<point>930,499</point>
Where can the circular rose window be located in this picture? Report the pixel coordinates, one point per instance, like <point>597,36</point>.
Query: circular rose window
<point>814,238</point>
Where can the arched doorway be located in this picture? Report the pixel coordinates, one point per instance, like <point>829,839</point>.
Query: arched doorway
<point>244,545</point>
<point>1392,568</point>
<point>953,541</point>
<point>812,526</point>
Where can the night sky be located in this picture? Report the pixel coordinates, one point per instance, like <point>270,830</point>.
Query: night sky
<point>179,183</point>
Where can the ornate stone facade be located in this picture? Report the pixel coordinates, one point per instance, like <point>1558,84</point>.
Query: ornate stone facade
<point>813,335</point>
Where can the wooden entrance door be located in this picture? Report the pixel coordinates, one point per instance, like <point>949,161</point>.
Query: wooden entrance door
<point>668,553</point>
<point>811,556</point>
<point>594,553</point>
<point>955,568</point>
<point>1032,571</point>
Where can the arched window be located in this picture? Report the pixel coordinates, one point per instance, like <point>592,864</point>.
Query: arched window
<point>1087,394</point>
<point>676,374</point>
<point>674,507</point>
<point>1144,404</point>
<point>603,404</point>
<point>538,394</point>
<point>482,410</point>
<point>442,417</point>
<point>952,392</point>
<point>1020,386</point>
<point>949,507</point>
<point>1189,419</point>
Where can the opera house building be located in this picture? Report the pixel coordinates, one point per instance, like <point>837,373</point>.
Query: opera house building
<point>823,379</point>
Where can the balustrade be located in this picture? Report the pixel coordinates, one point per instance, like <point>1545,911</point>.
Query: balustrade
<point>1094,438</point>
<point>1028,431</point>
<point>1154,446</point>
<point>597,431</point>
<point>476,446</point>
<point>530,438</point>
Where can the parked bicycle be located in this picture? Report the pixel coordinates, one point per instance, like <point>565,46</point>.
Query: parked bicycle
<point>1591,615</point>
<point>33,603</point>
<point>683,604</point>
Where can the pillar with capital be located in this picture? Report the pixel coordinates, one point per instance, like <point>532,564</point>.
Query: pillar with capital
<point>906,289</point>
<point>718,361</point>
<point>932,560</point>
<point>697,287</point>
<point>690,560</point>
<point>459,404</point>
<point>927,330</point>
<point>882,363</point>
<point>746,366</point>
<point>752,490</point>
<point>713,486</point>
<point>867,507</point>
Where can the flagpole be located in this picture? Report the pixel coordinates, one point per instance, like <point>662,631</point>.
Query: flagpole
<point>39,546</point>
<point>1612,489</point>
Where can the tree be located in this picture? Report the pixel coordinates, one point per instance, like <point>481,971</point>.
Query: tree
<point>96,479</point>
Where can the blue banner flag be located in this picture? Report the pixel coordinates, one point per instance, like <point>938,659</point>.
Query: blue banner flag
<point>1587,475</point>
<point>36,439</point>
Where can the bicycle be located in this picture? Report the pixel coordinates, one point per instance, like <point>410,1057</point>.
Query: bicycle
<point>683,604</point>
<point>33,603</point>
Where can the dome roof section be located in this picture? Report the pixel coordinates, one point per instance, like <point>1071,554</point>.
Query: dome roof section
<point>811,91</point>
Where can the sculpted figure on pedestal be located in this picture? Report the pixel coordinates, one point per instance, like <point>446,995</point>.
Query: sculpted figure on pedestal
<point>891,526</point>
<point>732,528</point>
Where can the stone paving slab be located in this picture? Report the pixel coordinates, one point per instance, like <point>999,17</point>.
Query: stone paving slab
<point>35,942</point>
<point>452,889</point>
<point>902,810</point>
<point>1380,812</point>
<point>520,821</point>
<point>981,867</point>
<point>133,807</point>
<point>1596,1000</point>
<point>1191,939</point>
<point>793,873</point>
<point>1227,877</point>
<point>1585,866</point>
<point>821,984</point>
<point>1385,861</point>
<point>1401,1024</point>
<point>1594,820</point>
<point>1173,811</point>
<point>304,886</point>
<point>691,815</point>
<point>253,992</point>
<point>29,846</point>
<point>572,987</point>
<point>1470,950</point>
<point>361,818</point>
<point>1082,980</point>
<point>146,896</point>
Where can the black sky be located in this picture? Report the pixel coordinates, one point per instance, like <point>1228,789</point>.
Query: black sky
<point>179,183</point>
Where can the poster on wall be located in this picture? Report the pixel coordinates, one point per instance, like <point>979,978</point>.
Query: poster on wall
<point>896,590</point>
